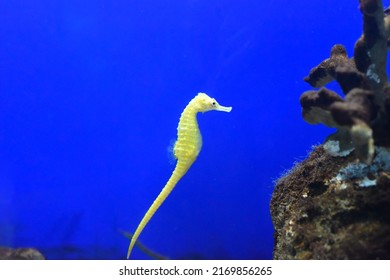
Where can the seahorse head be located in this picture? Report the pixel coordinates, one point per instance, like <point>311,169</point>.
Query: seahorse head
<point>205,103</point>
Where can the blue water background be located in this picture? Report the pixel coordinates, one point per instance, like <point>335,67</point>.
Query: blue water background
<point>90,97</point>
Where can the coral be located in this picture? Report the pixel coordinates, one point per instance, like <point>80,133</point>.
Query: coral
<point>336,203</point>
<point>363,116</point>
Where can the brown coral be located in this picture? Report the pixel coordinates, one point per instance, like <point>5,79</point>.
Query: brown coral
<point>364,115</point>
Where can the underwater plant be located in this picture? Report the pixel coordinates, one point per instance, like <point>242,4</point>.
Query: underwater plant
<point>186,150</point>
<point>336,203</point>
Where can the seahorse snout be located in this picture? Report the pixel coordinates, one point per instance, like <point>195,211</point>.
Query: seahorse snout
<point>223,108</point>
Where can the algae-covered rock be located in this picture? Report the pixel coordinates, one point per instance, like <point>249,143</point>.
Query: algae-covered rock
<point>333,208</point>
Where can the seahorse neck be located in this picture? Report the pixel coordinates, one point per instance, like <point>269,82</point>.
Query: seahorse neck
<point>190,112</point>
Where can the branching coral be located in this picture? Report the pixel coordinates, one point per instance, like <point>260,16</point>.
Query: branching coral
<point>363,116</point>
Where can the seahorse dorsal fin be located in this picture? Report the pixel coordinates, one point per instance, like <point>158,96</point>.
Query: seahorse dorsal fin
<point>170,152</point>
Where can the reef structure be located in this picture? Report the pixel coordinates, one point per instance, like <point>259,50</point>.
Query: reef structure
<point>336,203</point>
<point>20,254</point>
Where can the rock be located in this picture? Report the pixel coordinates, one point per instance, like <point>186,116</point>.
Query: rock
<point>20,254</point>
<point>333,208</point>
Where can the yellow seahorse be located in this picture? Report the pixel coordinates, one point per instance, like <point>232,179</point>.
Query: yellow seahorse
<point>186,150</point>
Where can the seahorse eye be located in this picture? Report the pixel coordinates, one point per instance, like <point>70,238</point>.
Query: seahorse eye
<point>214,103</point>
